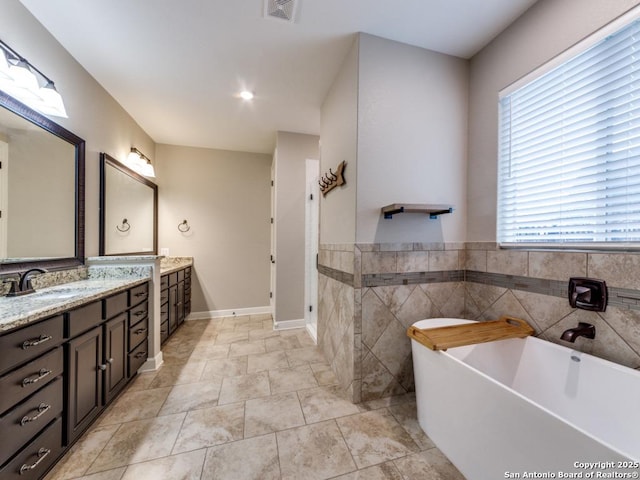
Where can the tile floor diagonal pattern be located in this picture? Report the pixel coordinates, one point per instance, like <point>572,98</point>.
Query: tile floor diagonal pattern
<point>237,400</point>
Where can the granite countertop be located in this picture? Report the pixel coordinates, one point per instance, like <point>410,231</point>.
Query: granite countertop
<point>171,264</point>
<point>45,302</point>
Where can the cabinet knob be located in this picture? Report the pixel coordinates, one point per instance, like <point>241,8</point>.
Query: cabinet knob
<point>102,367</point>
<point>110,361</point>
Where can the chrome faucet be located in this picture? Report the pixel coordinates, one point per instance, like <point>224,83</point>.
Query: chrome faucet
<point>22,284</point>
<point>582,330</point>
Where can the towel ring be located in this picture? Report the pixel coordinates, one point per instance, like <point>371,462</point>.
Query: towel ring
<point>184,226</point>
<point>125,227</point>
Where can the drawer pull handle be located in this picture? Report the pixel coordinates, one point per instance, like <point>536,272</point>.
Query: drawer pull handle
<point>41,374</point>
<point>42,454</point>
<point>32,343</point>
<point>140,330</point>
<point>140,294</point>
<point>42,409</point>
<point>140,312</point>
<point>140,354</point>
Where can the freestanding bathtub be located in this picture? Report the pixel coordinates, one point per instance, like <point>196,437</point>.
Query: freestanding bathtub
<point>528,408</point>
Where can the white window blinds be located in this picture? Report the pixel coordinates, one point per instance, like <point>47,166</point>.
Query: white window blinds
<point>569,150</point>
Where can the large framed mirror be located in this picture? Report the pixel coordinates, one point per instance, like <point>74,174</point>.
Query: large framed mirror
<point>42,181</point>
<point>128,210</point>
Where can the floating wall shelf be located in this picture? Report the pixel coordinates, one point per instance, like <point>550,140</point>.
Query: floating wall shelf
<point>433,210</point>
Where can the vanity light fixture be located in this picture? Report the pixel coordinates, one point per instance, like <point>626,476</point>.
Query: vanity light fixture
<point>140,163</point>
<point>246,95</point>
<point>23,81</point>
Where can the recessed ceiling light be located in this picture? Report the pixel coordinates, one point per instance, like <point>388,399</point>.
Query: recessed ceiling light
<point>246,95</point>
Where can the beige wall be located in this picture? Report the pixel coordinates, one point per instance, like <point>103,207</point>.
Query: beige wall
<point>544,31</point>
<point>93,114</point>
<point>338,142</point>
<point>224,196</point>
<point>412,132</point>
<point>292,149</point>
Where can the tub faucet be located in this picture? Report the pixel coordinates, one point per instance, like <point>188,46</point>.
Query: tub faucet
<point>582,330</point>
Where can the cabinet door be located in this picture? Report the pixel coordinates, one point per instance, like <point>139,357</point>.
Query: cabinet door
<point>180,302</point>
<point>85,372</point>
<point>115,353</point>
<point>173,309</point>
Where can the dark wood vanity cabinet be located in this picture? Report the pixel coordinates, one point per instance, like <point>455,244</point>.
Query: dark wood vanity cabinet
<point>59,374</point>
<point>175,301</point>
<point>31,399</point>
<point>101,361</point>
<point>85,380</point>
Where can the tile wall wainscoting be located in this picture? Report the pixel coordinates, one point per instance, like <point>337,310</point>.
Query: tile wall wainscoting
<point>371,293</point>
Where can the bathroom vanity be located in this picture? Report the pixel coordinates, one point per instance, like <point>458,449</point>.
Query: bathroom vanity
<point>65,354</point>
<point>175,300</point>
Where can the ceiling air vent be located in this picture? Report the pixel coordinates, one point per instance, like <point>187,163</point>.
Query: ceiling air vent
<point>280,9</point>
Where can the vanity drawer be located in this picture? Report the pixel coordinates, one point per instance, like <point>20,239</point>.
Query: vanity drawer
<point>137,358</point>
<point>20,424</point>
<point>187,273</point>
<point>36,458</point>
<point>115,304</point>
<point>22,345</point>
<point>164,296</point>
<point>164,331</point>
<point>82,319</point>
<point>138,294</point>
<point>173,278</point>
<point>164,282</point>
<point>164,313</point>
<point>138,333</point>
<point>180,275</point>
<point>138,313</point>
<point>26,380</point>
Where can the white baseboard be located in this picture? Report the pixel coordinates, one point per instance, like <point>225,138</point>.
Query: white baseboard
<point>288,324</point>
<point>152,364</point>
<point>313,331</point>
<point>237,312</point>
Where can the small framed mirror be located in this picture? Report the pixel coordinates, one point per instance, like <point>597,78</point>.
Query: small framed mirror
<point>128,210</point>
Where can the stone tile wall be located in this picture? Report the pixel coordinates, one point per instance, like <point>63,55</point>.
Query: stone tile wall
<point>337,315</point>
<point>392,286</point>
<point>371,293</point>
<point>533,285</point>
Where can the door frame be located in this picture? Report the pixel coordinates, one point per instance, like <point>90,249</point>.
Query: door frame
<point>312,234</point>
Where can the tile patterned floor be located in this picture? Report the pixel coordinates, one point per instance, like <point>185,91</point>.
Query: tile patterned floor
<point>236,400</point>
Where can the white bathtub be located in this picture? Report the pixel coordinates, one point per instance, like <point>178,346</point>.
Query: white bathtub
<point>527,406</point>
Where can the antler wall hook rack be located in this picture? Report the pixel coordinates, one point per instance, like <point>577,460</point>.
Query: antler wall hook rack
<point>331,180</point>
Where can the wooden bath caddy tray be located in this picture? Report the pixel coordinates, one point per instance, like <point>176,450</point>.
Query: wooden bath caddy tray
<point>441,338</point>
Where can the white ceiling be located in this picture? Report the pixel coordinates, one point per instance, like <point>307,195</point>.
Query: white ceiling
<point>177,65</point>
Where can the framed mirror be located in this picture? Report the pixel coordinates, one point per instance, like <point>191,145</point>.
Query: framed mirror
<point>128,210</point>
<point>41,191</point>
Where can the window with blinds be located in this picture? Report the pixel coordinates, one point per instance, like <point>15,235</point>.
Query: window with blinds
<point>569,150</point>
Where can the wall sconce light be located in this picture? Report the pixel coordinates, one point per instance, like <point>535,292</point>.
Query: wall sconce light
<point>17,78</point>
<point>140,163</point>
